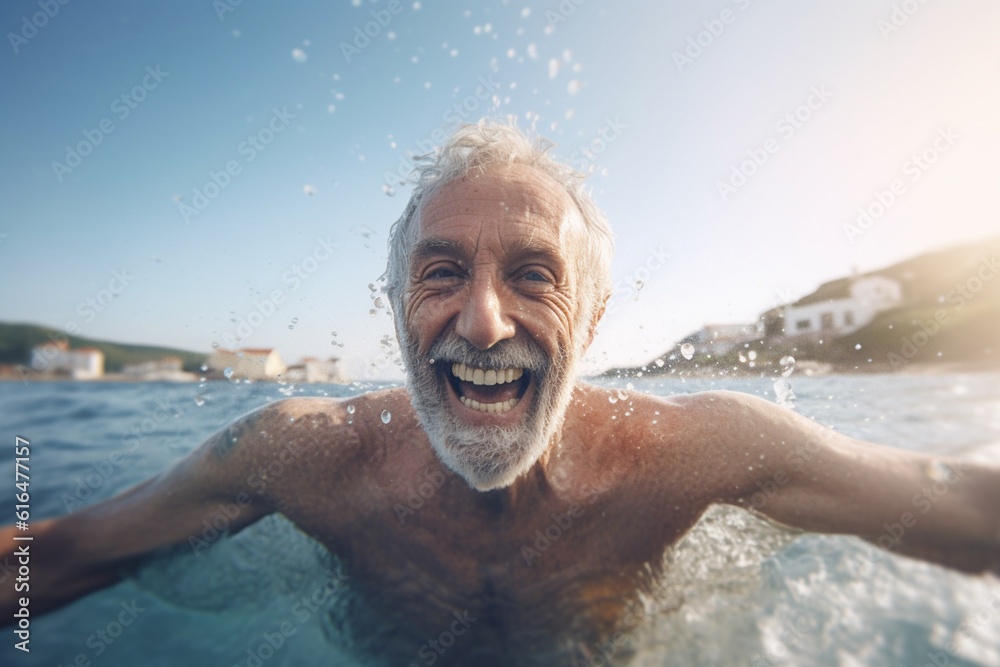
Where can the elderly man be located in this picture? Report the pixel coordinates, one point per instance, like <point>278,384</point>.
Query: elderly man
<point>564,503</point>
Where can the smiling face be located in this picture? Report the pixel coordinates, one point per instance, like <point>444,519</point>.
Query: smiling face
<point>492,320</point>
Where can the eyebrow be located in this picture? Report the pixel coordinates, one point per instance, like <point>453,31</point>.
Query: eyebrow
<point>516,249</point>
<point>433,245</point>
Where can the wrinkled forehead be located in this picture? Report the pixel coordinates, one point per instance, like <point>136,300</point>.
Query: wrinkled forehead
<point>508,202</point>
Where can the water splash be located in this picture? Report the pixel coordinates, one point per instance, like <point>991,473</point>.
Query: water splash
<point>784,396</point>
<point>787,364</point>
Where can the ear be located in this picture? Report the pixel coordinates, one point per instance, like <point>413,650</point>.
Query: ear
<point>592,330</point>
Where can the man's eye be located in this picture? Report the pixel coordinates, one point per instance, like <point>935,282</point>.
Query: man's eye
<point>441,272</point>
<point>534,276</point>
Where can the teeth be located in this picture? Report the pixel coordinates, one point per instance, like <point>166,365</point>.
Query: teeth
<point>486,377</point>
<point>500,407</point>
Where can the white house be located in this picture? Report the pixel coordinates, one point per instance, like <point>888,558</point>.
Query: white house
<point>85,363</point>
<point>167,369</point>
<point>247,363</point>
<point>866,297</point>
<point>317,370</point>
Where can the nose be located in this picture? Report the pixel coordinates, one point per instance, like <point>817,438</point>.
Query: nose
<point>483,320</point>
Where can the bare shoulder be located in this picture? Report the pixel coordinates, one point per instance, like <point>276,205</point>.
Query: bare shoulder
<point>310,436</point>
<point>702,444</point>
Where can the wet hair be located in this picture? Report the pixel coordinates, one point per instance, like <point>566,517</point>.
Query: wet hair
<point>474,148</point>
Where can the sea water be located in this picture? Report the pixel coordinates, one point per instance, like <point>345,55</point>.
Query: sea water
<point>740,591</point>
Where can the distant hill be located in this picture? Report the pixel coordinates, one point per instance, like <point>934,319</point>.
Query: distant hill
<point>17,340</point>
<point>933,283</point>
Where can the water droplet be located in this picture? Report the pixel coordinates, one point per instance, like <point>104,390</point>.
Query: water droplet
<point>373,312</point>
<point>199,401</point>
<point>858,346</point>
<point>752,354</point>
<point>350,409</point>
<point>783,393</point>
<point>612,399</point>
<point>687,349</point>
<point>386,416</point>
<point>622,396</point>
<point>743,358</point>
<point>389,190</point>
<point>309,190</point>
<point>204,367</point>
<point>787,365</point>
<point>215,345</point>
<point>228,372</point>
<point>431,361</point>
<point>659,363</point>
<point>295,320</point>
<point>939,471</point>
<point>639,285</point>
<point>379,303</point>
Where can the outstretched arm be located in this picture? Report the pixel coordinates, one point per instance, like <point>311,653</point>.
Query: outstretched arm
<point>810,477</point>
<point>86,550</point>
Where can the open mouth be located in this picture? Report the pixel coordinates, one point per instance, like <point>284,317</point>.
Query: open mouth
<point>494,390</point>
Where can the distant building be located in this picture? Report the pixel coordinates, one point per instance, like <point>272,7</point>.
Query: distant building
<point>719,339</point>
<point>247,363</point>
<point>313,370</point>
<point>56,357</point>
<point>862,300</point>
<point>167,369</point>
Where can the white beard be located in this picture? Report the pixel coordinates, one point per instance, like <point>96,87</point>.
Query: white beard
<point>488,457</point>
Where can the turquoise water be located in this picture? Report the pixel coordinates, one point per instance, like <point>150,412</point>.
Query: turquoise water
<point>741,592</point>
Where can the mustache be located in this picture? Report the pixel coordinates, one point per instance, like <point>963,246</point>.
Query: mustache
<point>510,353</point>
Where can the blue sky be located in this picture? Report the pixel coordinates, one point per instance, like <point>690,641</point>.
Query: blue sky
<point>883,88</point>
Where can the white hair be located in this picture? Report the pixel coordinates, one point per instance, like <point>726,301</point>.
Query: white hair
<point>476,147</point>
